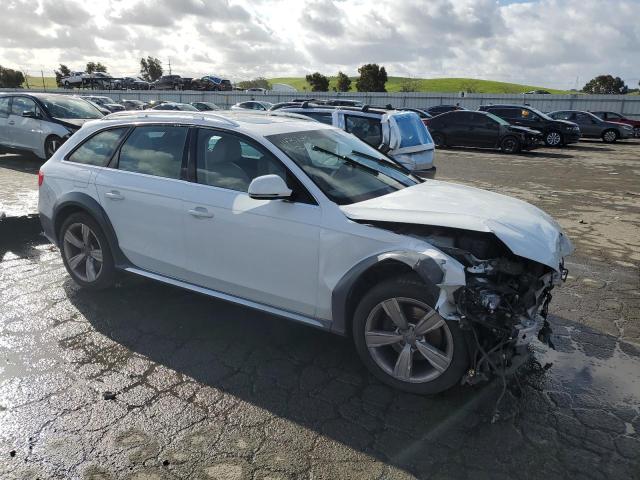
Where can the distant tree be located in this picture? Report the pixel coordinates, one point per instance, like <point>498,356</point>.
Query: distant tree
<point>318,82</point>
<point>372,78</point>
<point>343,83</point>
<point>150,69</point>
<point>63,71</point>
<point>605,84</point>
<point>10,78</point>
<point>409,85</point>
<point>259,82</point>
<point>93,67</point>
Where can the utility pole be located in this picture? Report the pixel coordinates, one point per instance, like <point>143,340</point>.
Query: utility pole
<point>169,65</point>
<point>42,75</point>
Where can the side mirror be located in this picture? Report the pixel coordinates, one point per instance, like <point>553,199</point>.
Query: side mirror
<point>269,187</point>
<point>30,114</point>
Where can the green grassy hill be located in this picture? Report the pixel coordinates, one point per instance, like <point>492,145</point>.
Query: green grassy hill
<point>394,84</point>
<point>439,85</point>
<point>36,82</point>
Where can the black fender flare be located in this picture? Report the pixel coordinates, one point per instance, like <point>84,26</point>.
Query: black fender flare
<point>83,201</point>
<point>428,268</point>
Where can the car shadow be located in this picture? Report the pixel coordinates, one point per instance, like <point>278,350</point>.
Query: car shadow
<point>21,236</point>
<point>20,161</point>
<point>295,372</point>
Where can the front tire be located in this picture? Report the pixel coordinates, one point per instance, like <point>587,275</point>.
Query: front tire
<point>85,252</point>
<point>404,342</point>
<point>510,145</point>
<point>438,139</point>
<point>609,136</point>
<point>553,139</point>
<point>51,144</point>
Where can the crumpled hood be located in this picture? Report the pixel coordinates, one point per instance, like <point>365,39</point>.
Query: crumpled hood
<point>73,122</point>
<point>526,230</point>
<point>530,131</point>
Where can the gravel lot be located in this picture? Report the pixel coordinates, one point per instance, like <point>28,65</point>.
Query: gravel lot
<point>146,381</point>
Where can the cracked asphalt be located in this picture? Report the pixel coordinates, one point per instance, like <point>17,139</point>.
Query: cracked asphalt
<point>146,381</point>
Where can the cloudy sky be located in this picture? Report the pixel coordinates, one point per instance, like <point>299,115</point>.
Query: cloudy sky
<point>554,43</point>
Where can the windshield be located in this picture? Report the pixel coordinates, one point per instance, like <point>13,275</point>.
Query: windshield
<point>346,169</point>
<point>498,119</point>
<point>538,112</point>
<point>68,107</point>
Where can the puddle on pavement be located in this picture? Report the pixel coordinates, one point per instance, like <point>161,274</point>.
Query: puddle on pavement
<point>612,380</point>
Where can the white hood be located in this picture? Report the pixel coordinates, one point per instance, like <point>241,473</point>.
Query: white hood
<point>526,230</point>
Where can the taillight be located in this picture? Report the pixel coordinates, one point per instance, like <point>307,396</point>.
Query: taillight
<point>40,178</point>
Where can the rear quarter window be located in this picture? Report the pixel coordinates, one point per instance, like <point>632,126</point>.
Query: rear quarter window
<point>98,149</point>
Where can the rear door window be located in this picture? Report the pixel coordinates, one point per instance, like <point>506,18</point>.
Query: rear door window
<point>98,149</point>
<point>4,107</point>
<point>510,113</point>
<point>154,150</point>
<point>367,129</point>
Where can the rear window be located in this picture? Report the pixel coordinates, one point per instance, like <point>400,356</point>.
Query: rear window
<point>412,130</point>
<point>98,149</point>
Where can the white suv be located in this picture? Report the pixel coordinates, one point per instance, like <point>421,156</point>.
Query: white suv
<point>436,282</point>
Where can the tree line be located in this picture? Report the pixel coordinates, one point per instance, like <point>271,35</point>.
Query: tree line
<point>372,79</point>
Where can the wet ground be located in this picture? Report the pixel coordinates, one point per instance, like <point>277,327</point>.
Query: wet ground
<point>146,381</point>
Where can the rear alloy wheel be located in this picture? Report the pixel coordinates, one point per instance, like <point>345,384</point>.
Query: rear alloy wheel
<point>51,144</point>
<point>609,136</point>
<point>85,252</point>
<point>510,145</point>
<point>553,139</point>
<point>405,342</point>
<point>438,139</point>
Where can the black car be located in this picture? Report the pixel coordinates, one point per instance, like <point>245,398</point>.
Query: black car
<point>211,83</point>
<point>555,132</point>
<point>185,107</point>
<point>464,128</point>
<point>132,83</point>
<point>438,109</point>
<point>205,106</point>
<point>171,82</point>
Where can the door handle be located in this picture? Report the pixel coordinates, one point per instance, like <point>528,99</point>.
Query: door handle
<point>11,122</point>
<point>114,195</point>
<point>200,212</point>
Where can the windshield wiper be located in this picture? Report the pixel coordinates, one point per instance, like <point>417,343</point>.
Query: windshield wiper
<point>348,160</point>
<point>381,161</point>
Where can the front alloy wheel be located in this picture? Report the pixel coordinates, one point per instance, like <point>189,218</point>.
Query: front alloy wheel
<point>510,145</point>
<point>405,342</point>
<point>553,139</point>
<point>609,136</point>
<point>51,145</point>
<point>408,340</point>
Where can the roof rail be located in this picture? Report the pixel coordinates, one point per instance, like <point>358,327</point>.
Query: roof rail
<point>298,116</point>
<point>365,108</point>
<point>158,113</point>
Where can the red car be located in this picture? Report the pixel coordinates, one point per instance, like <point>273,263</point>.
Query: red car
<point>616,117</point>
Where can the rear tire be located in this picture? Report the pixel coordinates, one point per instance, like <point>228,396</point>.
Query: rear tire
<point>610,136</point>
<point>426,356</point>
<point>510,144</point>
<point>85,252</point>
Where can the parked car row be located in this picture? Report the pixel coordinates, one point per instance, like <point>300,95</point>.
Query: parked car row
<point>166,82</point>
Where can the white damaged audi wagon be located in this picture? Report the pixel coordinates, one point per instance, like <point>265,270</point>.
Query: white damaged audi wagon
<point>437,283</point>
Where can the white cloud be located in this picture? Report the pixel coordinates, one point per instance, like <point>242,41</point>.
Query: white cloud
<point>542,42</point>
